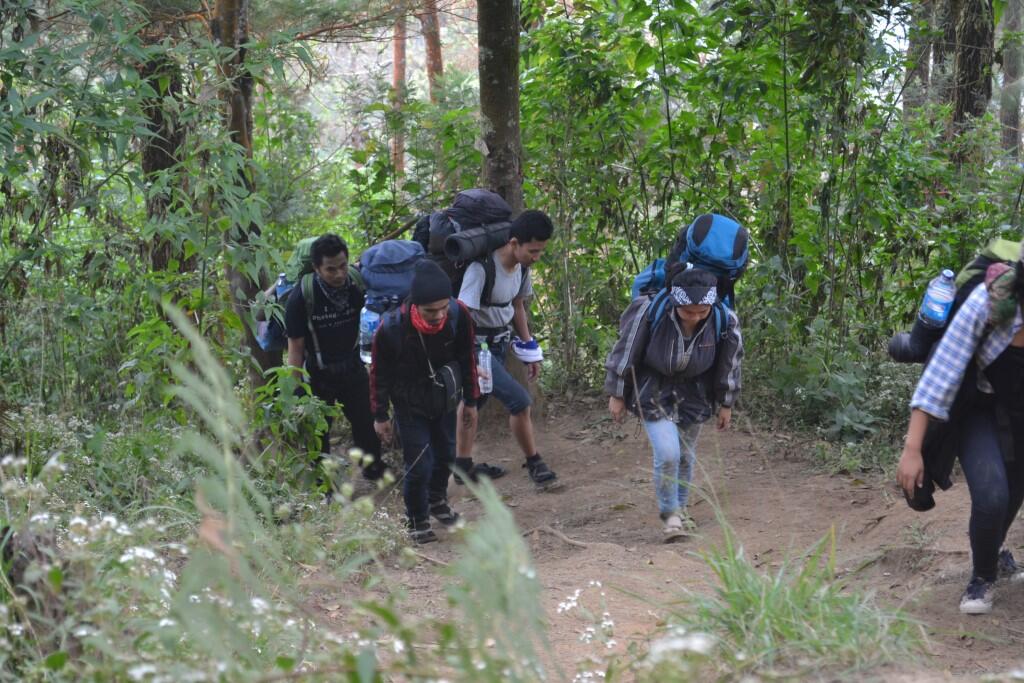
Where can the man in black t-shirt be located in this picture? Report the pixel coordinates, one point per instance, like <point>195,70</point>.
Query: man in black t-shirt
<point>325,342</point>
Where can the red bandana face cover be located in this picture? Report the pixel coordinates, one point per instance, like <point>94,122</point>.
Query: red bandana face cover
<point>422,326</point>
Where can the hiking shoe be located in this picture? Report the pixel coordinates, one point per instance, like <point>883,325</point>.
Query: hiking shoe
<point>375,471</point>
<point>420,532</point>
<point>673,527</point>
<point>443,513</point>
<point>1008,567</point>
<point>539,472</point>
<point>977,599</point>
<point>482,469</point>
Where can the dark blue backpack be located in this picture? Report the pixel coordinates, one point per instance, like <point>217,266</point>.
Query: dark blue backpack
<point>712,242</point>
<point>387,269</point>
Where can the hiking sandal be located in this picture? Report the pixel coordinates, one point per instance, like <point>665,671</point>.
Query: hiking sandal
<point>482,469</point>
<point>443,513</point>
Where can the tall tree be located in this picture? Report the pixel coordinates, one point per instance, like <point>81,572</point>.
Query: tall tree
<point>398,92</point>
<point>919,55</point>
<point>1013,65</point>
<point>230,29</point>
<point>498,39</point>
<point>975,36</point>
<point>943,50</point>
<point>431,26</point>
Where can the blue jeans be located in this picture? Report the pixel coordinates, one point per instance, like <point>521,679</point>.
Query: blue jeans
<point>506,389</point>
<point>428,450</point>
<point>997,489</point>
<point>672,471</point>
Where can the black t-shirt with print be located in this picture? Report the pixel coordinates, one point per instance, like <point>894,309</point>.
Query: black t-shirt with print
<point>336,324</point>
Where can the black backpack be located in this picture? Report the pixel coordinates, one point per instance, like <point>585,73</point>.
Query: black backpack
<point>469,231</point>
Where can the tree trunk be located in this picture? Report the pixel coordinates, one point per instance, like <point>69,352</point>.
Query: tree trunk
<point>498,37</point>
<point>975,35</point>
<point>160,152</point>
<point>943,51</point>
<point>1013,64</point>
<point>431,27</point>
<point>919,55</point>
<point>398,94</point>
<point>230,28</point>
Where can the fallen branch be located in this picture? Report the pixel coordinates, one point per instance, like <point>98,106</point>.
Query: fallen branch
<point>557,534</point>
<point>428,558</point>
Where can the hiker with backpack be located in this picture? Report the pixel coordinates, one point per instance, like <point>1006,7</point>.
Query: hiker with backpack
<point>423,365</point>
<point>675,365</point>
<point>970,401</point>
<point>322,326</point>
<point>495,290</point>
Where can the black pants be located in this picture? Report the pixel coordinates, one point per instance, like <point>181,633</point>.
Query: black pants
<point>997,489</point>
<point>349,386</point>
<point>428,449</point>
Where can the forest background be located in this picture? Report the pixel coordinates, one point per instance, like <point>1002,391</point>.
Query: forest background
<point>165,155</point>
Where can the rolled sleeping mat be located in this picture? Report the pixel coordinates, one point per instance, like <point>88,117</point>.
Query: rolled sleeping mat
<point>473,243</point>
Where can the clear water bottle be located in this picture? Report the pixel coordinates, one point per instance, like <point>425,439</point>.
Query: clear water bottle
<point>368,322</point>
<point>938,300</point>
<point>483,370</point>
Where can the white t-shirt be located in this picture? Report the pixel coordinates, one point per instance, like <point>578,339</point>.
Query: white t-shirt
<point>508,285</point>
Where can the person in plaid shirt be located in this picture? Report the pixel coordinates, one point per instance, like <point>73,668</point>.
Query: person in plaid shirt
<point>988,331</point>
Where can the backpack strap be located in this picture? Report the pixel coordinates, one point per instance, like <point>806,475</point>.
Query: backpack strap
<point>306,287</point>
<point>357,279</point>
<point>490,273</point>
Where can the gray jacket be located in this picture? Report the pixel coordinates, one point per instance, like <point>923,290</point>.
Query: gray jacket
<point>678,381</point>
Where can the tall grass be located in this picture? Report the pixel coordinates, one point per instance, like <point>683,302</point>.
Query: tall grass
<point>214,584</point>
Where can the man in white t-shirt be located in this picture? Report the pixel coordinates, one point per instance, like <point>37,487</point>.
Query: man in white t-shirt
<point>495,309</point>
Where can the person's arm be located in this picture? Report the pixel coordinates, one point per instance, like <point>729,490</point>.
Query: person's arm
<point>728,379</point>
<point>472,286</point>
<point>465,351</point>
<point>910,471</point>
<point>945,372</point>
<point>295,327</point>
<point>621,361</point>
<point>520,322</point>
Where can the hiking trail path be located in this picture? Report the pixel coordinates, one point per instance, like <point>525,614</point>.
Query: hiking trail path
<point>602,526</point>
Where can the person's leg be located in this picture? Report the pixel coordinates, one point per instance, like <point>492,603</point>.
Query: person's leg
<point>664,438</point>
<point>688,459</point>
<point>324,389</point>
<point>516,400</point>
<point>985,472</point>
<point>355,398</point>
<point>442,440</point>
<point>417,455</point>
<point>982,462</point>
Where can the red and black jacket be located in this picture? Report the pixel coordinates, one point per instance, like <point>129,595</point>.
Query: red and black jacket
<point>400,373</point>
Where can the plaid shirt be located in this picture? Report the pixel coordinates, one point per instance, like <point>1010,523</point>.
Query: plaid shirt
<point>965,338</point>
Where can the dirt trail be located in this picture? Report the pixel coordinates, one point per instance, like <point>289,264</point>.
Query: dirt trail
<point>778,505</point>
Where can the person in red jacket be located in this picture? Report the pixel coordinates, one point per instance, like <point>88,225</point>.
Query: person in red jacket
<point>423,365</point>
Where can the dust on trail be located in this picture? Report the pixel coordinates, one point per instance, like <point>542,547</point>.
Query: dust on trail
<point>600,535</point>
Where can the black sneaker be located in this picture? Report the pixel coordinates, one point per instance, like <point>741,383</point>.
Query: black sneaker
<point>977,599</point>
<point>540,473</point>
<point>1008,567</point>
<point>482,469</point>
<point>443,513</point>
<point>374,471</point>
<point>420,532</point>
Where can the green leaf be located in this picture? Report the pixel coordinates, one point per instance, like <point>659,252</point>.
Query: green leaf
<point>56,577</point>
<point>56,661</point>
<point>285,663</point>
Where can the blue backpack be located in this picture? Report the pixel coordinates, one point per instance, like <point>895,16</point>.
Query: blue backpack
<point>712,242</point>
<point>387,269</point>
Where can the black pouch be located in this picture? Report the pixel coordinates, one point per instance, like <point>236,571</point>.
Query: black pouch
<point>446,389</point>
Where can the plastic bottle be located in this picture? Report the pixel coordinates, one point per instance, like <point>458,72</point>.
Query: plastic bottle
<point>281,286</point>
<point>368,322</point>
<point>483,370</point>
<point>938,300</point>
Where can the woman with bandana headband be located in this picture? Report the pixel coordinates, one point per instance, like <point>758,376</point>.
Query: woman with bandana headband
<point>674,371</point>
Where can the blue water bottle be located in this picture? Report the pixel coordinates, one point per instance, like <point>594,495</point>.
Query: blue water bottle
<point>368,322</point>
<point>938,300</point>
<point>281,286</point>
